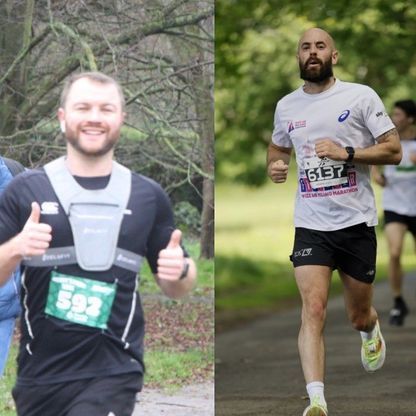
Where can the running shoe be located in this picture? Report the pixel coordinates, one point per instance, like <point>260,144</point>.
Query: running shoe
<point>373,351</point>
<point>398,313</point>
<point>316,408</point>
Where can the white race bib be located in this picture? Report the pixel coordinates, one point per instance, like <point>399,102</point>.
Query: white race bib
<point>325,172</point>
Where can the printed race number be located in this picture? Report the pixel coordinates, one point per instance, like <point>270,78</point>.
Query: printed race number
<point>79,303</point>
<point>325,172</point>
<point>79,300</point>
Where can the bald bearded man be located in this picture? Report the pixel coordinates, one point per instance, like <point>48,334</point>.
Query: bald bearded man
<point>337,130</point>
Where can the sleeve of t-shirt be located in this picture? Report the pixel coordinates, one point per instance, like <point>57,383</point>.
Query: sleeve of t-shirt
<point>10,212</point>
<point>375,115</point>
<point>162,228</point>
<point>280,136</point>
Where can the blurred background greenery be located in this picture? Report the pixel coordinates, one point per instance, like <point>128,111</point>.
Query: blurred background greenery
<point>255,66</point>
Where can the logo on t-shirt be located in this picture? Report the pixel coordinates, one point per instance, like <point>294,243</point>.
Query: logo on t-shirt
<point>49,208</point>
<point>381,113</point>
<point>295,125</point>
<point>344,115</point>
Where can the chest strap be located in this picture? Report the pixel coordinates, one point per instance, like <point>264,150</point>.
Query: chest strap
<point>95,217</point>
<point>64,256</point>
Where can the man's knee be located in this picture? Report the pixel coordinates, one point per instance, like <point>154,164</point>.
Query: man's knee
<point>314,311</point>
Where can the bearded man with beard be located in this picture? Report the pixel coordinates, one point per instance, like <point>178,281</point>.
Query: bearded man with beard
<point>81,226</point>
<point>338,129</point>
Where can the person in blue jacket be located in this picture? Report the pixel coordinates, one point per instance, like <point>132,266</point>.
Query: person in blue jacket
<point>10,292</point>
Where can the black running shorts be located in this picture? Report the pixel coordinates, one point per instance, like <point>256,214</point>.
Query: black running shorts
<point>103,396</point>
<point>352,250</point>
<point>390,216</point>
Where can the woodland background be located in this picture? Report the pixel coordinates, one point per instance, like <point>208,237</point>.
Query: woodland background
<point>161,51</point>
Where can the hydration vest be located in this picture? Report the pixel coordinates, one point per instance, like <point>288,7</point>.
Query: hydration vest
<point>95,217</point>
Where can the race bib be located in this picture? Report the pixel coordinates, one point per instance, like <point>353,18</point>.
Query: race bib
<point>80,300</point>
<point>325,172</point>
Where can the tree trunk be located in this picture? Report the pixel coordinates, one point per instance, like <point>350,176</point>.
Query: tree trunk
<point>203,84</point>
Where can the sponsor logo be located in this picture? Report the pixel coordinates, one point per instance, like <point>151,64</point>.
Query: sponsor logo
<point>370,272</point>
<point>344,115</point>
<point>124,259</point>
<point>49,208</point>
<point>303,253</point>
<point>295,125</point>
<point>55,257</point>
<point>381,113</point>
<point>88,230</point>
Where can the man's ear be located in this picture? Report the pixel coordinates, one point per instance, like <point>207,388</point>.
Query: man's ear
<point>335,57</point>
<point>61,118</point>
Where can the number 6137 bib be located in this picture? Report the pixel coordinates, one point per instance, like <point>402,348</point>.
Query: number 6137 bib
<point>325,172</point>
<point>80,300</point>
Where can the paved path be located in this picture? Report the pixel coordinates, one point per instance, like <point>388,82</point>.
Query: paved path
<point>195,400</point>
<point>258,370</point>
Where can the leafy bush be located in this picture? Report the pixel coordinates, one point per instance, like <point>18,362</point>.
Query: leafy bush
<point>187,218</point>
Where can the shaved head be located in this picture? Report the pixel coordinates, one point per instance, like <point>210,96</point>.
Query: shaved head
<point>315,34</point>
<point>316,55</point>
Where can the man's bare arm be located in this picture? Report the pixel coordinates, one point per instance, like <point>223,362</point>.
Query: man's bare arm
<point>278,159</point>
<point>10,257</point>
<point>387,150</point>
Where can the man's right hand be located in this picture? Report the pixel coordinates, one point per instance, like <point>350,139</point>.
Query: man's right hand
<point>35,237</point>
<point>277,171</point>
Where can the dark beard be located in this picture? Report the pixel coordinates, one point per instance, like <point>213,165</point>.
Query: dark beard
<point>324,72</point>
<point>108,145</point>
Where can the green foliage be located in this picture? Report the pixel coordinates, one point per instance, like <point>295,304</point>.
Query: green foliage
<point>187,218</point>
<point>256,45</point>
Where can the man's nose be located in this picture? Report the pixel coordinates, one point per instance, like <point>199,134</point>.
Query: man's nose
<point>94,115</point>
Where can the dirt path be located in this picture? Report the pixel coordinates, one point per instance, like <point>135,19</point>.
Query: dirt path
<point>258,370</point>
<point>195,400</point>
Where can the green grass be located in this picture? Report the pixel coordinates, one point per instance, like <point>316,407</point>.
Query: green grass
<point>173,369</point>
<point>6,385</point>
<point>253,240</point>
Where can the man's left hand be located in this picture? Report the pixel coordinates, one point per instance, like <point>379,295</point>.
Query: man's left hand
<point>331,150</point>
<point>170,263</point>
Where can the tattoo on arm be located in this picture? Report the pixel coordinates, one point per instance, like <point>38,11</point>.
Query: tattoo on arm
<point>385,136</point>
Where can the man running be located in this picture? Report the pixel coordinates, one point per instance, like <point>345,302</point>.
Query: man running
<point>399,202</point>
<point>82,226</point>
<point>337,130</point>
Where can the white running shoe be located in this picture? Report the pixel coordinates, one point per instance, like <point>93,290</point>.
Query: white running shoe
<point>316,408</point>
<point>373,352</point>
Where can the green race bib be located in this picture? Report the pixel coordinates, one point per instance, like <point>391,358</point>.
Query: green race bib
<point>80,300</point>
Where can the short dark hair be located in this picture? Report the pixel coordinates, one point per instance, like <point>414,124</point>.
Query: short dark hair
<point>93,76</point>
<point>408,106</point>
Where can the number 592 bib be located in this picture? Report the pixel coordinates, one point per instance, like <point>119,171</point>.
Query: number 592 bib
<point>80,300</point>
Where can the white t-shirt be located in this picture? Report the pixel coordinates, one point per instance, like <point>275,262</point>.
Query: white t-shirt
<point>399,194</point>
<point>331,195</point>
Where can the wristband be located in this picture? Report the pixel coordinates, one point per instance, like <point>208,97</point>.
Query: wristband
<point>185,270</point>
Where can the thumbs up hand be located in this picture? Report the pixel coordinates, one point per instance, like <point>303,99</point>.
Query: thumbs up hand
<point>35,237</point>
<point>171,261</point>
